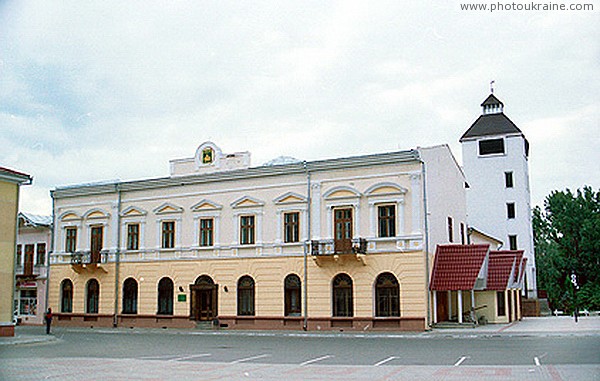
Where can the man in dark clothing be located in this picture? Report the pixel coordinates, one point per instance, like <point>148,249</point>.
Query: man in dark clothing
<point>48,319</point>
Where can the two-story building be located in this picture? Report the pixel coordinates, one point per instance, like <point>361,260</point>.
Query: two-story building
<point>31,267</point>
<point>344,243</point>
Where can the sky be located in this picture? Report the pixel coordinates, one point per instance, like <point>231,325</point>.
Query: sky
<point>106,90</point>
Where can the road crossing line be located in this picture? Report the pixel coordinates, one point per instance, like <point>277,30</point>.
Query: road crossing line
<point>315,360</point>
<point>461,360</point>
<point>190,357</point>
<point>386,360</point>
<point>249,359</point>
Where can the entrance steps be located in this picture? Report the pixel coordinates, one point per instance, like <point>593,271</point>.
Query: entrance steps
<point>452,324</point>
<point>205,325</point>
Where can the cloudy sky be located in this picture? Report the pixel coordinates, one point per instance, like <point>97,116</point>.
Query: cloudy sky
<point>103,90</point>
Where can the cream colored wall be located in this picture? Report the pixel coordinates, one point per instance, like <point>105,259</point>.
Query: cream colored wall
<point>268,274</point>
<point>9,198</point>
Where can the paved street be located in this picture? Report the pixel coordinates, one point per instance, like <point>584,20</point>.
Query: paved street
<point>534,349</point>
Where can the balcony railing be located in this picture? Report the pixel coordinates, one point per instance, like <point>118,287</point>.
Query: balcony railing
<point>328,247</point>
<point>87,257</point>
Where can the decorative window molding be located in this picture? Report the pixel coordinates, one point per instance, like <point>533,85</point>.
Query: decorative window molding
<point>341,192</point>
<point>247,202</point>
<point>381,194</point>
<point>69,215</point>
<point>133,211</point>
<point>290,198</point>
<point>385,189</point>
<point>177,227</point>
<point>96,214</point>
<point>133,215</point>
<point>206,205</point>
<point>168,208</point>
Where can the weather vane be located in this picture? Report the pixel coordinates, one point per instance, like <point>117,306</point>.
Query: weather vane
<point>492,86</point>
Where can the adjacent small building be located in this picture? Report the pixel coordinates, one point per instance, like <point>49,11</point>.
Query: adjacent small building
<point>31,267</point>
<point>10,182</point>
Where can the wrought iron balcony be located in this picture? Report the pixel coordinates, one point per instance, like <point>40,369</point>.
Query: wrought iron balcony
<point>331,247</point>
<point>87,257</point>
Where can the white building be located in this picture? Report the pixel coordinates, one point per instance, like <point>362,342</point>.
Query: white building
<point>495,160</point>
<point>31,267</point>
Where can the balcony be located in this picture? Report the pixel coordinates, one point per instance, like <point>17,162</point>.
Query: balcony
<point>87,260</point>
<point>330,248</point>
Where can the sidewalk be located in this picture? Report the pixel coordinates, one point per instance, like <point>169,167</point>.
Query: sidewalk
<point>545,326</point>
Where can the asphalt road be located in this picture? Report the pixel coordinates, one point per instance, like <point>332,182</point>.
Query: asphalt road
<point>315,349</point>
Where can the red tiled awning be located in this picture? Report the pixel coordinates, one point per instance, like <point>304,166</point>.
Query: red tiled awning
<point>456,267</point>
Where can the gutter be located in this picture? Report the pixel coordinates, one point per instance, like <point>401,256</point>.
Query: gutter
<point>426,218</point>
<point>306,248</point>
<point>117,256</point>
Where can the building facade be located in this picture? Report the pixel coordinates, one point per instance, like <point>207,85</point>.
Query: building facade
<point>333,244</point>
<point>10,181</point>
<point>495,159</point>
<point>31,267</point>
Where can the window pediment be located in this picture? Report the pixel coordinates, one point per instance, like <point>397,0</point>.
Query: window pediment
<point>69,216</point>
<point>133,211</point>
<point>206,205</point>
<point>290,198</point>
<point>95,214</point>
<point>385,189</point>
<point>341,192</point>
<point>168,208</point>
<point>247,202</point>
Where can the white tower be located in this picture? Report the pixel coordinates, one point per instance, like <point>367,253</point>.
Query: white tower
<point>495,160</point>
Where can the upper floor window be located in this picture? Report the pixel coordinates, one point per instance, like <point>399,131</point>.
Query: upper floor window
<point>491,146</point>
<point>19,255</point>
<point>28,260</point>
<point>291,227</point>
<point>168,234</point>
<point>510,210</point>
<point>450,230</point>
<point>247,229</point>
<point>133,236</point>
<point>70,239</point>
<point>206,232</point>
<point>508,179</point>
<point>40,255</point>
<point>512,242</point>
<point>386,220</point>
<point>463,235</point>
<point>96,243</point>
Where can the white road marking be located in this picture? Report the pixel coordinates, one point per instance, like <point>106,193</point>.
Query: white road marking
<point>386,360</point>
<point>536,361</point>
<point>460,361</point>
<point>249,359</point>
<point>190,357</point>
<point>315,360</point>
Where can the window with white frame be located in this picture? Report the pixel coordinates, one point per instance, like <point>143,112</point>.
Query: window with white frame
<point>247,230</point>
<point>291,227</point>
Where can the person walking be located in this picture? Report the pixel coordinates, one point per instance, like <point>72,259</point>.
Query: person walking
<point>48,319</point>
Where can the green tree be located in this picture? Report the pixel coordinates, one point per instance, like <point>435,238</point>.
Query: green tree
<point>567,241</point>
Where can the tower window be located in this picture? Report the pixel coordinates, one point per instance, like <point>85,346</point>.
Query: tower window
<point>510,210</point>
<point>512,242</point>
<point>491,146</point>
<point>450,230</point>
<point>508,179</point>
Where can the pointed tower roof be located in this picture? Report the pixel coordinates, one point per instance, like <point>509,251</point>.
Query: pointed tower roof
<point>491,122</point>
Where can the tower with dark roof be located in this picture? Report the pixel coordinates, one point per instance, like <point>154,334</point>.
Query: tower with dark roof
<point>495,160</point>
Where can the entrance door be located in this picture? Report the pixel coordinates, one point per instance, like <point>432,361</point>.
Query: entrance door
<point>510,303</point>
<point>442,306</point>
<point>203,306</point>
<point>343,230</point>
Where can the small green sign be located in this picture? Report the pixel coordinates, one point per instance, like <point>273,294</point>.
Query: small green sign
<point>181,297</point>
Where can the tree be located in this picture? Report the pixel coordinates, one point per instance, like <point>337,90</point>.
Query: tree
<point>567,241</point>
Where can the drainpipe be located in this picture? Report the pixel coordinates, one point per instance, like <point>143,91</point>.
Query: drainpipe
<point>50,252</point>
<point>306,248</point>
<point>117,256</point>
<point>426,215</point>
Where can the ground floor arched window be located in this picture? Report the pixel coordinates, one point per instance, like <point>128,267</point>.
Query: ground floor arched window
<point>292,286</point>
<point>66,296</point>
<point>165,297</point>
<point>245,293</point>
<point>387,296</point>
<point>130,291</point>
<point>343,305</point>
<point>92,296</point>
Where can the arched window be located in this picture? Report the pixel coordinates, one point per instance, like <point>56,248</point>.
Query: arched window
<point>92,296</point>
<point>245,296</point>
<point>387,295</point>
<point>292,296</point>
<point>130,291</point>
<point>165,297</point>
<point>66,296</point>
<point>342,296</point>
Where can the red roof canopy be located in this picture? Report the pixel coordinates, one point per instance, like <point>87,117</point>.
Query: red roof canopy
<point>456,266</point>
